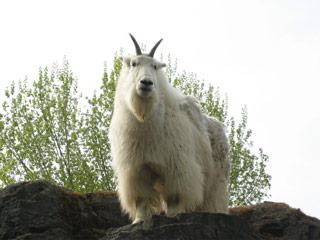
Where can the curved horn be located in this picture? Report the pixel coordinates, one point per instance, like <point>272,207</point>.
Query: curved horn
<point>138,50</point>
<point>151,53</point>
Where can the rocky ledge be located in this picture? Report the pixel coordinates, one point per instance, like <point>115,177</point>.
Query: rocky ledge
<point>42,210</point>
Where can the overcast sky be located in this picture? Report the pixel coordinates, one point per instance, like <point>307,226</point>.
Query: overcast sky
<point>263,54</point>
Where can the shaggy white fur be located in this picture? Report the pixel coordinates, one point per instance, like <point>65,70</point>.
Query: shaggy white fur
<point>168,156</point>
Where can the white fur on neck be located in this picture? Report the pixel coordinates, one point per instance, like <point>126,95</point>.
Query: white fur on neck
<point>142,108</point>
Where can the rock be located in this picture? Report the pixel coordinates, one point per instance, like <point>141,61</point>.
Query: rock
<point>185,226</point>
<point>271,220</point>
<point>41,210</point>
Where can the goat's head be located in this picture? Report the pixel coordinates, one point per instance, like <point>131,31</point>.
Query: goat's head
<point>141,80</point>
<point>143,70</point>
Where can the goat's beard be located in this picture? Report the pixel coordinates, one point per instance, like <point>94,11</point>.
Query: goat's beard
<point>142,108</point>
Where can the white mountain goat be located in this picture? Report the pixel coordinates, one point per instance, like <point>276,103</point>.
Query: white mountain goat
<point>168,156</point>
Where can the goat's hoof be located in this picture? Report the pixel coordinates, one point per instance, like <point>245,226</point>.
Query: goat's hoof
<point>137,220</point>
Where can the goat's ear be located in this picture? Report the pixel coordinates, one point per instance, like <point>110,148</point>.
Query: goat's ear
<point>161,65</point>
<point>126,61</point>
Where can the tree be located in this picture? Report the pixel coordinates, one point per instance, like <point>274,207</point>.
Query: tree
<point>45,135</point>
<point>249,181</point>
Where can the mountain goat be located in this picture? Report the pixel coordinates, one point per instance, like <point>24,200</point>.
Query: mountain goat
<point>168,156</point>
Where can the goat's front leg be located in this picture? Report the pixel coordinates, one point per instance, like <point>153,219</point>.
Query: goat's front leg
<point>184,192</point>
<point>142,210</point>
<point>146,194</point>
<point>174,205</point>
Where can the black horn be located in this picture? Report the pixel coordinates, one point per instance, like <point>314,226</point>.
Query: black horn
<point>151,53</point>
<point>138,50</point>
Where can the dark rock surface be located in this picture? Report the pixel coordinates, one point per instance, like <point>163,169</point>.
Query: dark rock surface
<point>185,226</point>
<point>271,220</point>
<point>42,210</point>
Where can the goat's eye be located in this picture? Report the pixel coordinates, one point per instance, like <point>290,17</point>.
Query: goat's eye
<point>133,64</point>
<point>155,67</point>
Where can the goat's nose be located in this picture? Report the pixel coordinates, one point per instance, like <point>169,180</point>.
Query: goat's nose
<point>147,82</point>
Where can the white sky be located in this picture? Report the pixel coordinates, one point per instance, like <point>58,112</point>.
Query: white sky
<point>265,54</point>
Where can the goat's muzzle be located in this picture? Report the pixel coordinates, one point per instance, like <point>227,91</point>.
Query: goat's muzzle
<point>146,83</point>
<point>145,87</point>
